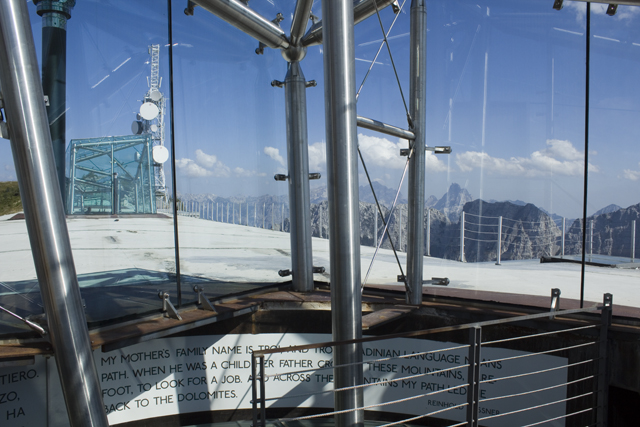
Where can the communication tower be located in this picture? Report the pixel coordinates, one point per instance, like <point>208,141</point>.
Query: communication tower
<point>150,120</point>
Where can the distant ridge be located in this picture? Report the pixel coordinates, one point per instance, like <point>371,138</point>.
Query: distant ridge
<point>10,201</point>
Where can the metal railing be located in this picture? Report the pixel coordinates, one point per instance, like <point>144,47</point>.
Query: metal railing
<point>563,381</point>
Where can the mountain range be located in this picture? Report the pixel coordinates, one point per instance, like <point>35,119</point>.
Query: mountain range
<point>527,231</point>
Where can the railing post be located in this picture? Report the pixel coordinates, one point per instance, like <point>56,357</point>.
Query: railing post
<point>633,240</point>
<point>428,251</point>
<point>462,259</point>
<point>263,409</point>
<point>591,238</point>
<point>603,378</point>
<point>473,375</point>
<point>400,229</point>
<point>375,229</point>
<point>564,222</point>
<point>499,240</point>
<point>254,390</point>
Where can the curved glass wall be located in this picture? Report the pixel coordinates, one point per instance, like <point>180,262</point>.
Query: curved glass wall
<point>505,90</point>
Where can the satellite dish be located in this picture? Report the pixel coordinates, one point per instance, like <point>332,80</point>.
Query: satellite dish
<point>154,128</point>
<point>149,111</point>
<point>136,127</point>
<point>155,95</point>
<point>160,154</point>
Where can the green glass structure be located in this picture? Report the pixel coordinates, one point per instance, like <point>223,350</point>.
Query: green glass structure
<point>111,175</point>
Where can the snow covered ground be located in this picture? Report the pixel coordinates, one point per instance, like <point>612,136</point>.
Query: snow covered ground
<point>234,253</point>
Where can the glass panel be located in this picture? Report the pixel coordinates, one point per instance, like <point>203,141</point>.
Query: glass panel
<point>123,244</point>
<point>505,89</point>
<point>230,142</point>
<point>613,202</point>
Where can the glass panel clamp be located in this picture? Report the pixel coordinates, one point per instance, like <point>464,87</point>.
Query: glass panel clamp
<point>203,301</point>
<point>168,308</point>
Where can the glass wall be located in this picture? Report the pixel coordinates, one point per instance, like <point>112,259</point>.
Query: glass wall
<point>506,90</point>
<point>613,207</point>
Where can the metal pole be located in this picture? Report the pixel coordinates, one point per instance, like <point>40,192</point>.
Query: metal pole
<point>298,163</point>
<point>564,221</point>
<point>54,75</point>
<point>247,214</point>
<point>473,375</point>
<point>462,237</point>
<point>282,218</point>
<point>375,229</point>
<point>362,9</point>
<point>45,218</point>
<point>255,214</point>
<point>72,187</point>
<point>418,91</point>
<point>633,240</point>
<point>300,20</point>
<point>238,14</point>
<point>499,240</point>
<point>344,229</point>
<point>264,213</point>
<point>591,238</point>
<point>273,220</point>
<point>400,229</point>
<point>428,232</point>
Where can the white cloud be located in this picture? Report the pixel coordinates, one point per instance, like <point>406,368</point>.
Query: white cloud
<point>317,157</point>
<point>205,160</point>
<point>559,158</point>
<point>191,169</point>
<point>580,9</point>
<point>204,165</point>
<point>274,153</point>
<point>631,175</point>
<point>382,152</point>
<point>243,172</point>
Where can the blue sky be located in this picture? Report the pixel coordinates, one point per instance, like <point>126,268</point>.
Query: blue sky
<point>506,84</point>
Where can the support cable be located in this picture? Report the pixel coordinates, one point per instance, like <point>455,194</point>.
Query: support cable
<point>386,41</point>
<point>378,52</point>
<point>386,224</point>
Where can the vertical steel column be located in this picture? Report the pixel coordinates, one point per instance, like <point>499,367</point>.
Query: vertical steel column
<point>418,96</point>
<point>564,222</point>
<point>499,239</point>
<point>400,229</point>
<point>72,189</point>
<point>344,219</point>
<point>298,163</point>
<point>633,240</point>
<point>45,218</point>
<point>473,375</point>
<point>462,237</point>
<point>375,229</point>
<point>591,238</point>
<point>55,14</point>
<point>602,398</point>
<point>428,244</point>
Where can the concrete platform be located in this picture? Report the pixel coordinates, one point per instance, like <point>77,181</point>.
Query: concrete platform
<point>123,262</point>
